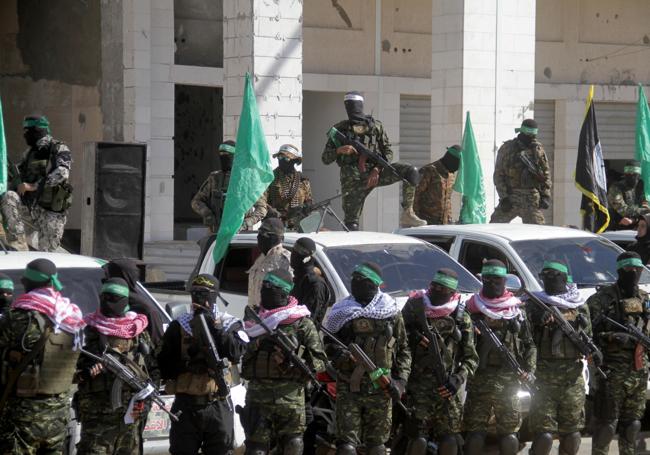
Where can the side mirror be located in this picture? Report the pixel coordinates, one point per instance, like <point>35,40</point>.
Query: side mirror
<point>513,283</point>
<point>175,309</point>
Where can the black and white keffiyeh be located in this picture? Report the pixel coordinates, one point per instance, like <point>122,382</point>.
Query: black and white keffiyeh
<point>567,301</point>
<point>225,319</point>
<point>382,306</point>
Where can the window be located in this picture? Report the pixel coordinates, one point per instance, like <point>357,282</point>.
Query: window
<point>443,242</point>
<point>472,255</point>
<point>232,270</point>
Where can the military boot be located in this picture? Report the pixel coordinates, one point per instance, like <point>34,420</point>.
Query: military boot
<point>410,219</point>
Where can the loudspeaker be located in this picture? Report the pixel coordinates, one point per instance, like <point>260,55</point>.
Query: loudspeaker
<point>112,218</point>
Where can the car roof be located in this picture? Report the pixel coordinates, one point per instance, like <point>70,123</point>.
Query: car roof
<point>19,259</point>
<point>507,231</point>
<point>341,238</point>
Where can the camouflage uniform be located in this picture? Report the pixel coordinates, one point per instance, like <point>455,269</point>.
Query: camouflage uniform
<point>433,194</point>
<point>625,203</point>
<point>354,178</point>
<point>210,200</point>
<point>437,417</point>
<point>103,431</point>
<point>277,258</point>
<point>621,397</point>
<point>275,396</point>
<point>37,423</point>
<point>492,391</point>
<point>558,404</point>
<point>515,182</point>
<point>44,210</point>
<point>364,412</point>
<point>286,192</point>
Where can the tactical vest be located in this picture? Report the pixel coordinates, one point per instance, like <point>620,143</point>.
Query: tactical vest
<point>266,362</point>
<point>506,331</point>
<point>375,337</point>
<point>195,381</point>
<point>519,176</point>
<point>551,342</point>
<point>55,198</point>
<point>52,371</point>
<point>449,331</point>
<point>104,382</point>
<point>370,139</point>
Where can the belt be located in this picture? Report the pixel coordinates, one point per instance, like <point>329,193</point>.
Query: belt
<point>199,400</point>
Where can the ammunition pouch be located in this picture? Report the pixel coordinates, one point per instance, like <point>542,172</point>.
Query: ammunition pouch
<point>195,384</point>
<point>56,198</point>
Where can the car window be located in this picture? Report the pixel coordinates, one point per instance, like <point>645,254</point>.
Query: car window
<point>591,261</point>
<point>232,271</point>
<point>404,266</point>
<point>80,285</point>
<point>443,242</point>
<point>472,255</point>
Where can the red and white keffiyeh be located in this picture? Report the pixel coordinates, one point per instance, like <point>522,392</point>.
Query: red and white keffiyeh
<point>279,316</point>
<point>436,311</point>
<point>64,314</point>
<point>128,326</point>
<point>504,307</point>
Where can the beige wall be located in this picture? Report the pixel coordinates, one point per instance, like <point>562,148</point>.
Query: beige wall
<point>593,41</point>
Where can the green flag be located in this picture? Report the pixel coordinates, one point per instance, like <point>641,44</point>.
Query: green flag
<point>642,142</point>
<point>469,180</point>
<point>251,172</point>
<point>3,155</point>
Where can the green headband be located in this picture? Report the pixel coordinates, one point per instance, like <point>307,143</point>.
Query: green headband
<point>279,282</point>
<point>117,289</point>
<point>527,130</point>
<point>369,273</point>
<point>453,151</point>
<point>41,122</point>
<point>39,277</point>
<point>628,262</point>
<point>569,279</point>
<point>446,280</point>
<point>6,284</point>
<point>227,148</point>
<point>632,169</point>
<point>494,270</point>
<point>556,266</point>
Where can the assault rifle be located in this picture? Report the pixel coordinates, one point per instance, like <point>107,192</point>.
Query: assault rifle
<point>532,168</point>
<point>324,206</point>
<point>583,343</point>
<point>628,328</point>
<point>383,381</point>
<point>340,138</point>
<point>511,361</point>
<point>128,375</point>
<point>220,365</point>
<point>433,346</point>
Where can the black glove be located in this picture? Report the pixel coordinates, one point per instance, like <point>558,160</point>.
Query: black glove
<point>451,387</point>
<point>544,202</point>
<point>505,204</point>
<point>621,338</point>
<point>397,389</point>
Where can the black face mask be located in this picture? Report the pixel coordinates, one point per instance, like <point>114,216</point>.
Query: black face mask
<point>363,290</point>
<point>628,281</point>
<point>113,307</point>
<point>226,160</point>
<point>439,295</point>
<point>32,135</point>
<point>450,162</point>
<point>525,139</point>
<point>267,240</point>
<point>631,180</point>
<point>5,302</point>
<point>494,287</point>
<point>286,166</point>
<point>355,113</point>
<point>301,263</point>
<point>554,283</point>
<point>272,297</point>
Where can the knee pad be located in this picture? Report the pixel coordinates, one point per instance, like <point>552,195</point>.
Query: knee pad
<point>293,445</point>
<point>377,450</point>
<point>417,446</point>
<point>509,444</point>
<point>346,449</point>
<point>448,445</point>
<point>629,430</point>
<point>474,443</point>
<point>604,433</point>
<point>542,444</point>
<point>412,175</point>
<point>570,443</point>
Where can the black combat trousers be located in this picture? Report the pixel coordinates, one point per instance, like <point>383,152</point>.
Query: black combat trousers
<point>203,424</point>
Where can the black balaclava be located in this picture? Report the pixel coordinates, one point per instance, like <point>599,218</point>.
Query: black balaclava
<point>493,275</point>
<point>203,291</point>
<point>527,131</point>
<point>443,286</point>
<point>555,275</point>
<point>451,158</point>
<point>35,127</point>
<point>354,107</point>
<point>276,286</point>
<point>288,157</point>
<point>646,237</point>
<point>286,164</point>
<point>631,174</point>
<point>6,292</point>
<point>365,282</point>
<point>114,298</point>
<point>629,267</point>
<point>302,257</point>
<point>226,155</point>
<point>271,234</point>
<point>40,273</point>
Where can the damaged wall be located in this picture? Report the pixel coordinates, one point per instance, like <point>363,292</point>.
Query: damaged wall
<point>198,32</point>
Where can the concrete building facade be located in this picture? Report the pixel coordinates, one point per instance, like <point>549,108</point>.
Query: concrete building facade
<point>169,73</point>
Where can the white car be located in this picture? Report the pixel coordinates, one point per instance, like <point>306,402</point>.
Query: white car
<point>524,248</point>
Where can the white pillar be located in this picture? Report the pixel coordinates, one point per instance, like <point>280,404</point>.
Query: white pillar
<point>484,63</point>
<point>265,39</point>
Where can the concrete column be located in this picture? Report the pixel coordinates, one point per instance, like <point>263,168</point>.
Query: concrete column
<point>569,115</point>
<point>265,39</point>
<point>483,62</point>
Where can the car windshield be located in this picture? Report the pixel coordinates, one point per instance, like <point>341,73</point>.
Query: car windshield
<point>404,266</point>
<point>591,261</point>
<point>80,285</point>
